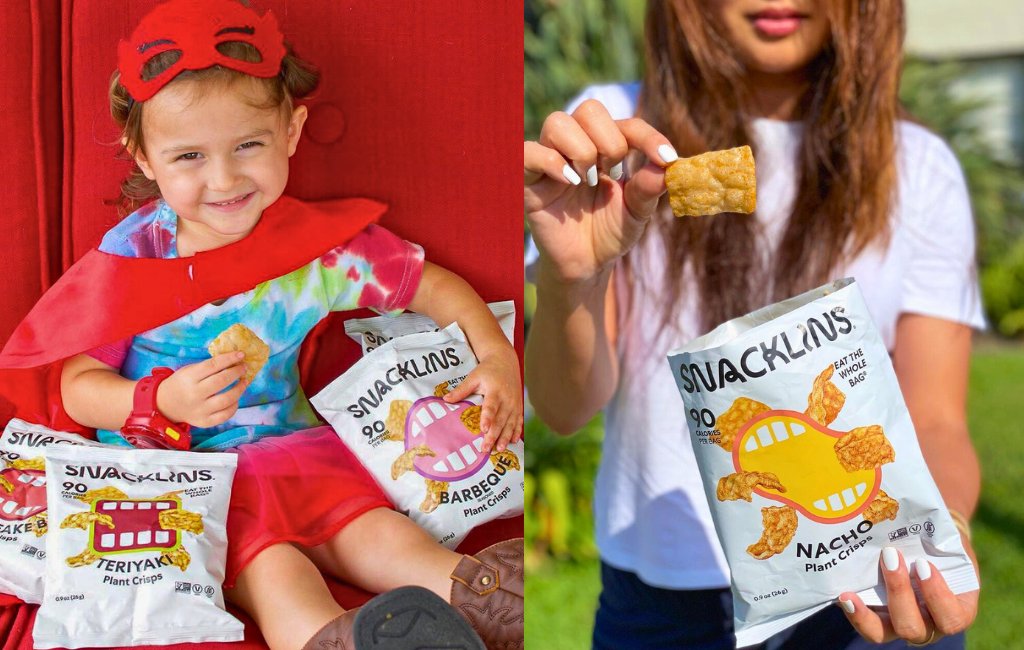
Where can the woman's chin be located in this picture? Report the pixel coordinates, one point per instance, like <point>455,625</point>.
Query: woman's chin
<point>777,60</point>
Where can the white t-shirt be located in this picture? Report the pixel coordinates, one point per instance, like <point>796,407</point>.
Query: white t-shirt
<point>651,514</point>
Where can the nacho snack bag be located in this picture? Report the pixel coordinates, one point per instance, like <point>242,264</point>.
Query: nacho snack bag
<point>371,333</point>
<point>809,459</point>
<point>23,516</point>
<point>425,454</point>
<point>136,548</point>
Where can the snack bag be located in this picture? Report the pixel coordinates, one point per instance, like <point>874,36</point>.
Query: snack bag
<point>425,454</point>
<point>23,515</point>
<point>371,333</point>
<point>809,459</point>
<point>136,550</point>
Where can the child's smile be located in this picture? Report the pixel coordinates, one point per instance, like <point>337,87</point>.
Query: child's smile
<point>233,205</point>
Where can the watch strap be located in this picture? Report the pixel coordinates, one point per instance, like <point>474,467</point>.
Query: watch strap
<point>144,400</point>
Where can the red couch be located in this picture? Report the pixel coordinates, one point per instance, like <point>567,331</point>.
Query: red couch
<point>419,107</point>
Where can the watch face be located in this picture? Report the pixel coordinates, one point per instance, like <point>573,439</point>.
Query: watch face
<point>142,437</point>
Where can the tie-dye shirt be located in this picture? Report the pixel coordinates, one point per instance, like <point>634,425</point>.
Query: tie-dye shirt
<point>376,269</point>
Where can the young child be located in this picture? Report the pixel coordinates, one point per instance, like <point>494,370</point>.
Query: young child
<point>204,94</point>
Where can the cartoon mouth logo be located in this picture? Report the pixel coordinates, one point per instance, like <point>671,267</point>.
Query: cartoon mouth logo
<point>136,527</point>
<point>437,424</point>
<point>27,499</point>
<point>801,453</point>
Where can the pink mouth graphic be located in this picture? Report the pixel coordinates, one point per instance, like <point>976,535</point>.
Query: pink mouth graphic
<point>435,423</point>
<point>136,527</point>
<point>29,495</point>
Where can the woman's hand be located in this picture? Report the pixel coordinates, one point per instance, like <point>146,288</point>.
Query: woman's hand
<point>497,379</point>
<point>583,217</point>
<point>941,614</point>
<point>193,393</point>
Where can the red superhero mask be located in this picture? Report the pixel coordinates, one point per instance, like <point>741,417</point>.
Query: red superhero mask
<point>195,28</point>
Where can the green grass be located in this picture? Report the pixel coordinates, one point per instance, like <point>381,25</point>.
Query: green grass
<point>560,603</point>
<point>562,596</point>
<point>997,379</point>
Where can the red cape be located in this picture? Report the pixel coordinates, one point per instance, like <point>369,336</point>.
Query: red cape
<point>105,298</point>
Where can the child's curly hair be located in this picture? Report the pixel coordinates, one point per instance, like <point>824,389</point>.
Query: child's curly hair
<point>296,80</point>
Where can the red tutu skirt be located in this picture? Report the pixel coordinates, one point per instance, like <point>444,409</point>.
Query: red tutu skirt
<point>303,488</point>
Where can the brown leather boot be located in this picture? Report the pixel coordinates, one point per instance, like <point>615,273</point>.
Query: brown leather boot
<point>336,635</point>
<point>487,588</point>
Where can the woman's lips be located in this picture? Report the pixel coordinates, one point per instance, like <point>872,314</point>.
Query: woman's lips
<point>777,23</point>
<point>234,206</point>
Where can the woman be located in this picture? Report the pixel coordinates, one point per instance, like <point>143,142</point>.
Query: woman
<point>845,187</point>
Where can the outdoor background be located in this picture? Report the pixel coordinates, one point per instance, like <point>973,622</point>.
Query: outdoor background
<point>964,79</point>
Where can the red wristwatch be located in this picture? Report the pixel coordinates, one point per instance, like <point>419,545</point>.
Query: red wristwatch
<point>146,427</point>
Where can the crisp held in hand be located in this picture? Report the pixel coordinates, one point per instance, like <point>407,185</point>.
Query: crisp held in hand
<point>239,338</point>
<point>713,182</point>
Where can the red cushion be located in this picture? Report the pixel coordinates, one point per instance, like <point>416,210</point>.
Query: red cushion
<point>31,165</point>
<point>418,109</point>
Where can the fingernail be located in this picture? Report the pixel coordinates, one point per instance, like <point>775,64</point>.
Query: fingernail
<point>571,175</point>
<point>239,355</point>
<point>592,176</point>
<point>890,558</point>
<point>923,569</point>
<point>667,153</point>
<point>847,605</point>
<point>616,172</point>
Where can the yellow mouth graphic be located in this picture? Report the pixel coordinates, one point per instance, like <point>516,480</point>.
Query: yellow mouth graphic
<point>801,453</point>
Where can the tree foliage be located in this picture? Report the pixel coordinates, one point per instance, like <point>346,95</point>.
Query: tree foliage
<point>996,185</point>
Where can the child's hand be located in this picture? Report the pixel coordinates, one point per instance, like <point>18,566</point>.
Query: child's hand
<point>193,393</point>
<point>497,379</point>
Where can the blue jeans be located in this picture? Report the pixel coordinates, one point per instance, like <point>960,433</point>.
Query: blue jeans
<point>633,615</point>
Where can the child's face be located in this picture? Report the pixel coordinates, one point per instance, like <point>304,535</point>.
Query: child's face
<point>219,161</point>
<point>774,36</point>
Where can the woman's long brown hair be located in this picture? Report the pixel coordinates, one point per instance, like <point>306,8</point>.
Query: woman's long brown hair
<point>694,93</point>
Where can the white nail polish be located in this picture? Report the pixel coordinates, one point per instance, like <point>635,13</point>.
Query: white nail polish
<point>667,153</point>
<point>592,176</point>
<point>923,569</point>
<point>616,172</point>
<point>890,558</point>
<point>571,175</point>
<point>847,605</point>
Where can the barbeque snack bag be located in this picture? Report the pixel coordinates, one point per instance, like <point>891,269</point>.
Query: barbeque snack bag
<point>809,459</point>
<point>425,454</point>
<point>23,515</point>
<point>136,548</point>
<point>371,333</point>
